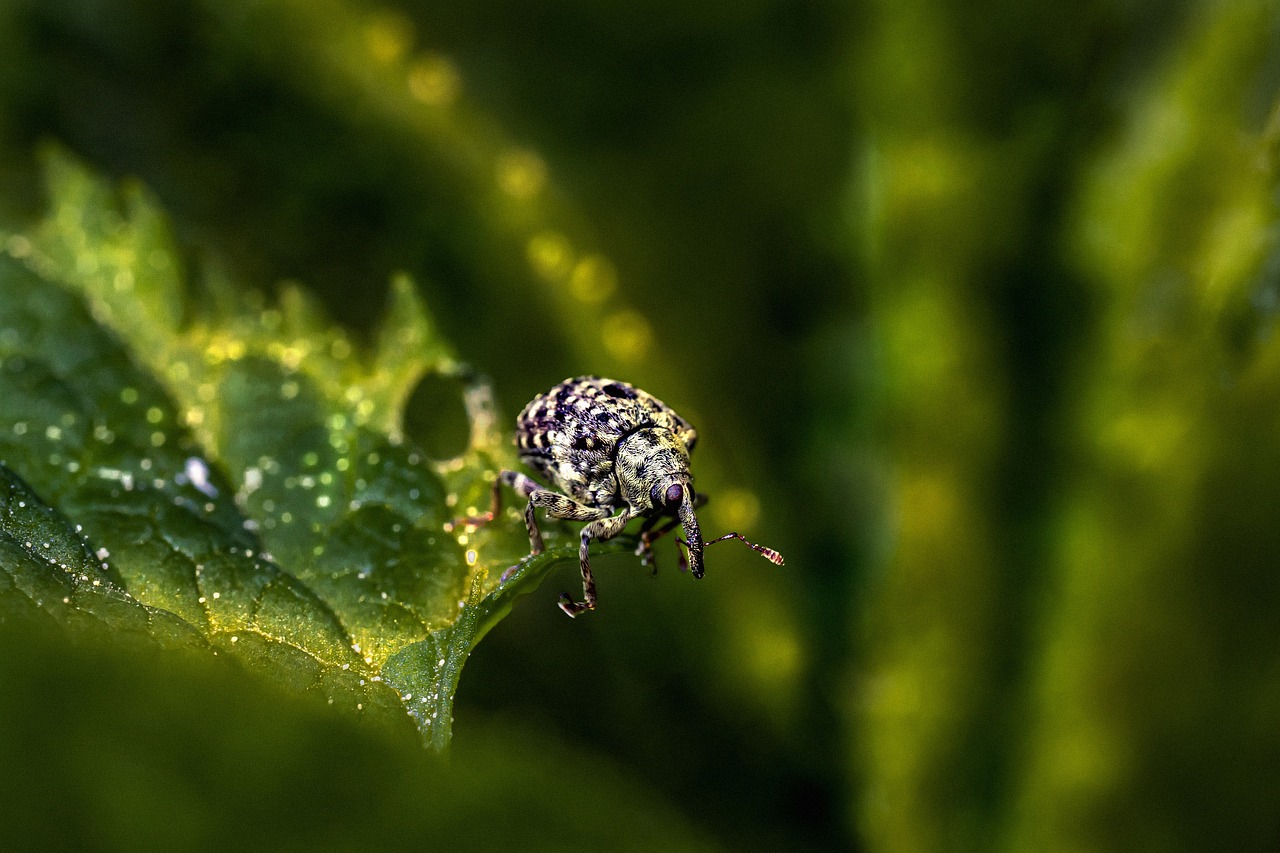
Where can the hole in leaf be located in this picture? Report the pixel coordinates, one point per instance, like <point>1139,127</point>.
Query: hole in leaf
<point>435,417</point>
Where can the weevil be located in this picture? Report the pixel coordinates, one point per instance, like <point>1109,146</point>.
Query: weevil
<point>615,453</point>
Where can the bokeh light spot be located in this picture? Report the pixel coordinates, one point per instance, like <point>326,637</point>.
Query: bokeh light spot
<point>735,509</point>
<point>388,37</point>
<point>627,335</point>
<point>434,80</point>
<point>550,255</point>
<point>593,280</point>
<point>521,174</point>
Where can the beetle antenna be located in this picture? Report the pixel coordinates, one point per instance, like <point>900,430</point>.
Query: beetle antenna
<point>768,553</point>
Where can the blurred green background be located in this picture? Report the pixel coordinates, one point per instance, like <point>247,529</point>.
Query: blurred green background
<point>974,306</point>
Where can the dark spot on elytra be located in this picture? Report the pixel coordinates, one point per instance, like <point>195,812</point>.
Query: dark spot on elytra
<point>618,389</point>
<point>584,442</point>
<point>614,389</point>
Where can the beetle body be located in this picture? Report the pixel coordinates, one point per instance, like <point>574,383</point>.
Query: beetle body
<point>601,441</point>
<point>615,453</point>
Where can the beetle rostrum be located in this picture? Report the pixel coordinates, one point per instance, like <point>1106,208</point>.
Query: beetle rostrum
<point>615,453</point>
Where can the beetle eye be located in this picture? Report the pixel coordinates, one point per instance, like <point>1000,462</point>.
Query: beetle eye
<point>674,494</point>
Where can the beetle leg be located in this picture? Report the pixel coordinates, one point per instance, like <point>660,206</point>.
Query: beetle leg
<point>648,536</point>
<point>557,506</point>
<point>601,529</point>
<point>644,549</point>
<point>513,479</point>
<point>524,487</point>
<point>531,524</point>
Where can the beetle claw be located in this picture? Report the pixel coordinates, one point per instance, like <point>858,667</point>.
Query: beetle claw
<point>570,607</point>
<point>644,551</point>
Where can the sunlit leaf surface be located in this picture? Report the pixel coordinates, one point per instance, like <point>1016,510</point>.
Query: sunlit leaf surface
<point>214,472</point>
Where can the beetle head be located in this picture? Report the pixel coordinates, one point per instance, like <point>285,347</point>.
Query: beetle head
<point>653,473</point>
<point>652,467</point>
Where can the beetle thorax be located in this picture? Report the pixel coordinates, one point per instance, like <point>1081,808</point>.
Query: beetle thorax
<point>650,462</point>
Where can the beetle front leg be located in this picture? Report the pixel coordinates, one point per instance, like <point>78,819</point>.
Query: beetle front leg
<point>648,536</point>
<point>644,548</point>
<point>557,506</point>
<point>602,529</point>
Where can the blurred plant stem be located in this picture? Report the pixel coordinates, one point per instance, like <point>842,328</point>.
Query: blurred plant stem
<point>1045,653</point>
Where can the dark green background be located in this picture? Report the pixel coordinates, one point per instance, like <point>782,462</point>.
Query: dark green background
<point>866,239</point>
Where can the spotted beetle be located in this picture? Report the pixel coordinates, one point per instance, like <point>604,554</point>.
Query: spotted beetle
<point>610,448</point>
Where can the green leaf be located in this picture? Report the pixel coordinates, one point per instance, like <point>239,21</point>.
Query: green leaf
<point>219,471</point>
